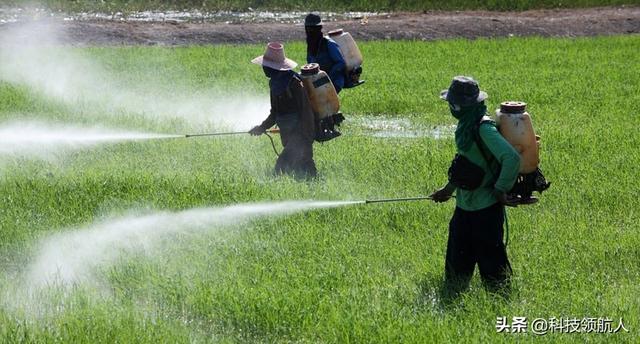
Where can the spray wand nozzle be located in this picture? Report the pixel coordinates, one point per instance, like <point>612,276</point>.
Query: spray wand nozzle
<point>385,200</point>
<point>269,131</point>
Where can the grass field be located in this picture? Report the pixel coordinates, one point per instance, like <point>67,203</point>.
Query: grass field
<point>324,5</point>
<point>358,274</point>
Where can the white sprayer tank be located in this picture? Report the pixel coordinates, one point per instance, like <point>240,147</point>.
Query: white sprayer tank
<point>322,93</point>
<point>348,48</point>
<point>514,123</point>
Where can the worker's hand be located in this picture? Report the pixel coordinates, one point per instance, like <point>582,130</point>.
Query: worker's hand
<point>441,195</point>
<point>256,131</point>
<point>504,199</point>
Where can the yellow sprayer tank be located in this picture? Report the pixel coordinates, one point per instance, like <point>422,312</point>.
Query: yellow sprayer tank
<point>514,123</point>
<point>322,94</point>
<point>348,48</point>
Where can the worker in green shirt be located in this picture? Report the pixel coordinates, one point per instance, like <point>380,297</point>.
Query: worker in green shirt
<point>484,170</point>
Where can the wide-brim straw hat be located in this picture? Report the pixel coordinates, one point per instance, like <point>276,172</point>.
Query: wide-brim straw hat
<point>274,58</point>
<point>464,91</point>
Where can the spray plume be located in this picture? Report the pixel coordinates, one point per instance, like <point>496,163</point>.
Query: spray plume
<point>38,139</point>
<point>32,55</point>
<point>69,257</point>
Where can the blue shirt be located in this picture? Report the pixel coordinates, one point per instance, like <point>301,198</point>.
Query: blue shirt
<point>331,61</point>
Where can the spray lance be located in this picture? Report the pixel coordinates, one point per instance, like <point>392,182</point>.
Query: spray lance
<point>403,199</point>
<point>422,198</point>
<point>267,132</point>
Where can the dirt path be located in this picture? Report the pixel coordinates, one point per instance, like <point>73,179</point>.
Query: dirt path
<point>420,26</point>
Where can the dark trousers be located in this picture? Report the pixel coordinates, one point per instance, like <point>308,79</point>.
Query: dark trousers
<point>476,237</point>
<point>296,157</point>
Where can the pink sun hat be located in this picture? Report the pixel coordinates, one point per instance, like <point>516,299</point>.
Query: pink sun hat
<point>274,58</point>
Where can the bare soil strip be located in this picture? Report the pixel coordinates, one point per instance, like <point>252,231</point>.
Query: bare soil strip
<point>412,26</point>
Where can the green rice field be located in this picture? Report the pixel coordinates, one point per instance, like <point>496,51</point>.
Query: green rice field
<point>353,274</point>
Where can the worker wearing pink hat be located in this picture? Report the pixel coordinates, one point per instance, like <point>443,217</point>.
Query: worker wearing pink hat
<point>291,111</point>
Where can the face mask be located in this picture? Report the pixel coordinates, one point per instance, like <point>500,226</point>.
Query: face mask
<point>313,32</point>
<point>456,110</point>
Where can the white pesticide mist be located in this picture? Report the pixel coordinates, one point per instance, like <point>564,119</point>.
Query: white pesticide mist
<point>41,140</point>
<point>68,258</point>
<point>33,54</point>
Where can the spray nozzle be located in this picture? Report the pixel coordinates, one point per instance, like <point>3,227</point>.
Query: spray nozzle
<point>270,131</point>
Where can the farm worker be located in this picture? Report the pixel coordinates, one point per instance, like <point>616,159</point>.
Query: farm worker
<point>476,228</point>
<point>290,110</point>
<point>324,51</point>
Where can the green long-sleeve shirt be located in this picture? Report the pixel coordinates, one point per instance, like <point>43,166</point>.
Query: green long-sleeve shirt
<point>504,155</point>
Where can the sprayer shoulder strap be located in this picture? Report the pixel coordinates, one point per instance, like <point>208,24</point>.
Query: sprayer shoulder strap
<point>484,150</point>
<point>296,79</point>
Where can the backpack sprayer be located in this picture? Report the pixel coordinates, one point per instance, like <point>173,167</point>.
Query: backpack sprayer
<point>324,101</point>
<point>352,57</point>
<point>514,124</point>
<point>267,132</point>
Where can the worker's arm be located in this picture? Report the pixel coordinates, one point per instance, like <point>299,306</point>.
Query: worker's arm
<point>443,194</point>
<point>269,122</point>
<point>271,119</point>
<point>504,153</point>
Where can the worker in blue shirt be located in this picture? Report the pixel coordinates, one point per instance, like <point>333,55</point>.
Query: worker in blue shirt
<point>324,51</point>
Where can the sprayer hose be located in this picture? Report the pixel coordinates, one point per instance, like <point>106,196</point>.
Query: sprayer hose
<point>273,144</point>
<point>506,221</point>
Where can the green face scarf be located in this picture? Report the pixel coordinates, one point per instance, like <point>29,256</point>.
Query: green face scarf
<point>467,117</point>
